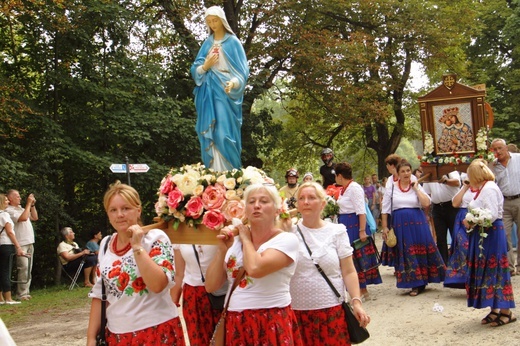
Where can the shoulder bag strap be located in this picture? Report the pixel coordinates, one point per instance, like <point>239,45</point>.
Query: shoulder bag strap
<point>198,261</point>
<point>240,275</point>
<point>318,266</point>
<point>104,299</point>
<point>389,224</point>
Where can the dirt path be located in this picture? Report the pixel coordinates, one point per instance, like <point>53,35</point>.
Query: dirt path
<point>397,319</point>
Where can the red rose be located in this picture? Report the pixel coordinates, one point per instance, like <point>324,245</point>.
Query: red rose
<point>155,252</point>
<point>194,207</point>
<point>123,279</point>
<point>167,264</point>
<point>231,263</point>
<point>174,198</point>
<point>166,185</point>
<point>214,196</point>
<point>243,283</point>
<point>213,220</point>
<point>334,191</point>
<point>114,272</point>
<point>138,285</point>
<point>116,263</point>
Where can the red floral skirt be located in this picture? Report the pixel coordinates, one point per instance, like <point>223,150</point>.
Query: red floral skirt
<point>167,333</point>
<point>323,327</point>
<point>274,326</point>
<point>200,318</point>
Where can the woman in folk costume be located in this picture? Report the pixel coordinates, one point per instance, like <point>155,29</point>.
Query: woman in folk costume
<point>489,279</point>
<point>220,72</point>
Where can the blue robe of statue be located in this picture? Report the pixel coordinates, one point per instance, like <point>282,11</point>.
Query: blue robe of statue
<point>219,114</point>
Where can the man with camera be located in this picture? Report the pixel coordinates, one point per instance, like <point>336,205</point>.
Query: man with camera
<point>24,231</point>
<point>71,257</point>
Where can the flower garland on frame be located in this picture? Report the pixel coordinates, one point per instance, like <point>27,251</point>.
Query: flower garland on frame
<point>482,152</point>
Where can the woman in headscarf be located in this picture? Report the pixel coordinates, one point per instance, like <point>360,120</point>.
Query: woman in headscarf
<point>220,72</point>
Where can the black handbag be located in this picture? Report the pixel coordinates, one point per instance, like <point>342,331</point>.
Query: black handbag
<point>217,302</point>
<point>356,333</point>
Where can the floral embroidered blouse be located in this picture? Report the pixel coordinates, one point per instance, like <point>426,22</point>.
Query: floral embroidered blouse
<point>131,306</point>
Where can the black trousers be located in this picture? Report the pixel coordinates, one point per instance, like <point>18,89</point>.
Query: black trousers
<point>444,215</point>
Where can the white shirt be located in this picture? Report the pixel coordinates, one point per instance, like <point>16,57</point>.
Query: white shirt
<point>401,199</point>
<point>132,307</point>
<point>508,178</point>
<point>330,244</point>
<point>192,275</point>
<point>4,220</point>
<point>468,197</point>
<point>352,200</point>
<point>490,197</point>
<point>441,193</point>
<point>270,291</point>
<point>24,230</point>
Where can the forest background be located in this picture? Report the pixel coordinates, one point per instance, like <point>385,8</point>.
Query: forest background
<point>88,83</point>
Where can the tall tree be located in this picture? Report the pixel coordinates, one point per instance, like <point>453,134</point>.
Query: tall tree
<point>494,57</point>
<point>352,62</point>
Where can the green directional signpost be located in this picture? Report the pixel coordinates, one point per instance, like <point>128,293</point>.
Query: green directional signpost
<point>129,168</point>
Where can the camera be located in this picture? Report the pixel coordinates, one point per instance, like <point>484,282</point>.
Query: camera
<point>77,250</point>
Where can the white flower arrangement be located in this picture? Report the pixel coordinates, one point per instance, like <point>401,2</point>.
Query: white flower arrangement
<point>481,139</point>
<point>198,195</point>
<point>428,144</point>
<point>481,218</point>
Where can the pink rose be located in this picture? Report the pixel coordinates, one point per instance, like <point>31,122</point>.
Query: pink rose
<point>213,220</point>
<point>166,185</point>
<point>233,208</point>
<point>214,196</point>
<point>194,207</point>
<point>174,198</point>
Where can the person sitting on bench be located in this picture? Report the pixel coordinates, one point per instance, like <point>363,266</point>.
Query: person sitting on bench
<point>71,256</point>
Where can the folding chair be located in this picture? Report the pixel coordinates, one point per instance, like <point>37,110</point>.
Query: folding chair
<point>73,279</point>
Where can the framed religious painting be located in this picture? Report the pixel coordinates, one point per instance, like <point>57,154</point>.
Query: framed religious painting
<point>453,130</point>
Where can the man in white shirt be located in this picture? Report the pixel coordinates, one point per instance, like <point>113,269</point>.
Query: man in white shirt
<point>506,168</point>
<point>443,212</point>
<point>24,231</point>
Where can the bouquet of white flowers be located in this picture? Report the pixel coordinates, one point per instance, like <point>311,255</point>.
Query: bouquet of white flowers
<point>482,218</point>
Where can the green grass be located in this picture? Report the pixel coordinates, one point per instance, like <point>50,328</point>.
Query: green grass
<point>44,304</point>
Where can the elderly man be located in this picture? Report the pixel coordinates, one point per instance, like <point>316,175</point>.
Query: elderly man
<point>24,231</point>
<point>506,167</point>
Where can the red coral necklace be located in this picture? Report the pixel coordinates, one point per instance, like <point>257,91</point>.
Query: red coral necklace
<point>400,188</point>
<point>123,250</point>
<point>480,189</point>
<point>345,187</point>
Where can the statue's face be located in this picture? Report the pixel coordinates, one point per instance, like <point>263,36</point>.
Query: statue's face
<point>215,23</point>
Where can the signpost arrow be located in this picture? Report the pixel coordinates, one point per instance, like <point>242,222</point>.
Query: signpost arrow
<point>118,168</point>
<point>138,168</point>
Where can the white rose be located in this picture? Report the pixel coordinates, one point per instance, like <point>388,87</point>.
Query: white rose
<point>198,190</point>
<point>186,183</point>
<point>221,179</point>
<point>230,194</point>
<point>230,183</point>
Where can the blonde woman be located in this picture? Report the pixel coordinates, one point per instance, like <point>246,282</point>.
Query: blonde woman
<point>319,313</point>
<point>259,309</point>
<point>488,282</point>
<point>137,271</point>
